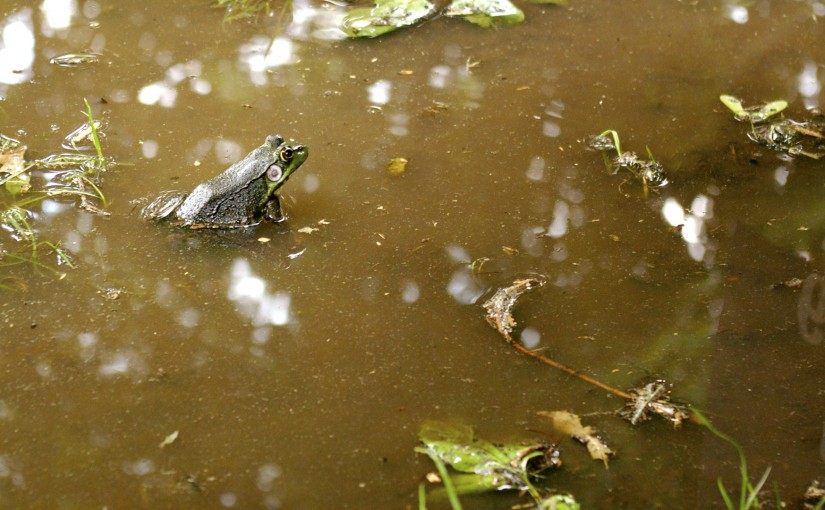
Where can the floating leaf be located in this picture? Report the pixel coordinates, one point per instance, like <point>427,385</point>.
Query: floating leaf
<point>386,16</point>
<point>486,13</point>
<point>570,424</point>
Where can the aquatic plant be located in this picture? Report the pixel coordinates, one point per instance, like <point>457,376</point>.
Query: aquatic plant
<point>77,175</point>
<point>482,465</point>
<point>748,493</point>
<point>648,171</point>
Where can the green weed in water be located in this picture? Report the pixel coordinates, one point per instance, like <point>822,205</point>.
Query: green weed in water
<point>748,493</point>
<point>77,176</point>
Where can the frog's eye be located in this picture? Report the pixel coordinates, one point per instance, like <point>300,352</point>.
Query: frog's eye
<point>274,173</point>
<point>286,154</point>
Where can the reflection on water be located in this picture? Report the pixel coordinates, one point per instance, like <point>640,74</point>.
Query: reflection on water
<point>263,308</point>
<point>16,49</point>
<point>691,225</point>
<point>811,309</point>
<point>809,86</point>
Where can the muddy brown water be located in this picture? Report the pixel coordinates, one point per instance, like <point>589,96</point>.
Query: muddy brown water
<point>297,371</point>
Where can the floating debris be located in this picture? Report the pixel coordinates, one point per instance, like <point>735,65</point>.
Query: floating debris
<point>653,398</point>
<point>787,136</point>
<point>571,425</point>
<point>76,59</point>
<point>397,166</point>
<point>753,113</point>
<point>500,306</point>
<point>386,16</point>
<point>12,165</point>
<point>486,13</point>
<point>814,497</point>
<point>486,466</point>
<point>649,171</point>
<point>169,439</point>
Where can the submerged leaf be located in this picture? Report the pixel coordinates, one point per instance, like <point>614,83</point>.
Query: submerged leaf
<point>570,424</point>
<point>489,466</point>
<point>384,17</point>
<point>486,13</point>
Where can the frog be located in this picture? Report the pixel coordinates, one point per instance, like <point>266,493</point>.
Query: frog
<point>241,196</point>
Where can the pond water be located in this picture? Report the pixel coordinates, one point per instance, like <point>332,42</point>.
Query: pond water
<point>297,361</point>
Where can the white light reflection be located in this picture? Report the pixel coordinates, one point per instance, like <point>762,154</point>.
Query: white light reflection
<point>691,223</point>
<point>410,292</point>
<point>379,92</point>
<point>530,337</point>
<point>250,293</point>
<point>463,288</point>
<point>561,212</point>
<point>780,175</point>
<point>738,13</point>
<point>165,93</point>
<point>17,48</point>
<point>57,15</point>
<point>267,474</point>
<point>809,86</point>
<point>536,169</point>
<point>149,148</point>
<point>261,54</point>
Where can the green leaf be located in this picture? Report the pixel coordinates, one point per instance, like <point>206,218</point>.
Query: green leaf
<point>486,13</point>
<point>490,466</point>
<point>754,113</point>
<point>386,16</point>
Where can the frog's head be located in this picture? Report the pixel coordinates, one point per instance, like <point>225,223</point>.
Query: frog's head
<point>286,158</point>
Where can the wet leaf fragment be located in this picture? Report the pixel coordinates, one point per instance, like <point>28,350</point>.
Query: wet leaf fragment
<point>649,171</point>
<point>487,466</point>
<point>814,497</point>
<point>500,306</point>
<point>653,398</point>
<point>753,113</point>
<point>397,166</point>
<point>12,165</point>
<point>386,16</point>
<point>559,502</point>
<point>486,13</point>
<point>570,424</point>
<point>169,439</point>
<point>76,60</point>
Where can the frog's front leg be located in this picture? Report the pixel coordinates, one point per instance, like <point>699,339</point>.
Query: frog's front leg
<point>273,210</point>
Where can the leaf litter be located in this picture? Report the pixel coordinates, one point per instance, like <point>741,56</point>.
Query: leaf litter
<point>790,137</point>
<point>651,399</point>
<point>571,425</point>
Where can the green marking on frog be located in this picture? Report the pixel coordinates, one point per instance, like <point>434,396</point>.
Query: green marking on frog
<point>242,196</point>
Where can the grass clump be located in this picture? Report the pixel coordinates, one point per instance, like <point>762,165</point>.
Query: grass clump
<point>74,174</point>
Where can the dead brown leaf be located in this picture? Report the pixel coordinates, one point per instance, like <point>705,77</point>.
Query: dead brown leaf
<point>571,425</point>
